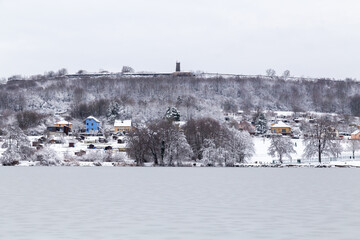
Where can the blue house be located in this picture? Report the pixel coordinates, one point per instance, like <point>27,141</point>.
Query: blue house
<point>92,125</point>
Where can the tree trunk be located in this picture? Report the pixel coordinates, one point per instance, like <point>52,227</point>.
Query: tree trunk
<point>162,152</point>
<point>319,150</point>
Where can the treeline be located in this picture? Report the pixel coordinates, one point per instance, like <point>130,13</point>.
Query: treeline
<point>147,98</point>
<point>205,139</point>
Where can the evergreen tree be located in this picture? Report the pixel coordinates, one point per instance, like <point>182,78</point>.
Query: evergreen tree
<point>113,110</point>
<point>261,123</point>
<point>172,114</point>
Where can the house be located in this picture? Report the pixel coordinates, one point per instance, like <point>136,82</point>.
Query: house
<point>247,126</point>
<point>58,130</point>
<point>92,125</point>
<point>281,127</point>
<point>63,124</point>
<point>355,135</point>
<point>122,126</point>
<point>56,140</point>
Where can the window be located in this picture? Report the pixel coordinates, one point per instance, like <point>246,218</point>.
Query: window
<point>87,124</point>
<point>274,131</point>
<point>92,124</point>
<point>283,130</point>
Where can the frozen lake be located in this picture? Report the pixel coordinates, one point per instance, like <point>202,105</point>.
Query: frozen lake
<point>179,203</point>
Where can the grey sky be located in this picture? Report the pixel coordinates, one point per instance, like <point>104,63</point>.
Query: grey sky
<point>318,38</point>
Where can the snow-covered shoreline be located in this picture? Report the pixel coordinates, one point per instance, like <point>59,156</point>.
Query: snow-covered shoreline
<point>334,164</point>
<point>260,159</point>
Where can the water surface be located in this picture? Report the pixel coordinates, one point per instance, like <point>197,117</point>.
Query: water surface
<point>179,203</point>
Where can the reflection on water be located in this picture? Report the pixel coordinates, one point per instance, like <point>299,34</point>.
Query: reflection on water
<point>179,203</point>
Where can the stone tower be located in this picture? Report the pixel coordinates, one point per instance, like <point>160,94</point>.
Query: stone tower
<point>178,67</point>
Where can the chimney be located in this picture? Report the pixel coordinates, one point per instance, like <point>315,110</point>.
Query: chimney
<point>178,67</point>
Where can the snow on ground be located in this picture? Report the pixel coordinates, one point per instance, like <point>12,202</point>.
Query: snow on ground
<point>262,146</point>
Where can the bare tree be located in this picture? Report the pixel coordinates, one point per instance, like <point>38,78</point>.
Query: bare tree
<point>198,130</point>
<point>270,72</point>
<point>28,119</point>
<point>281,147</point>
<point>160,141</point>
<point>353,146</point>
<point>62,72</point>
<point>230,106</point>
<point>127,69</point>
<point>137,145</point>
<point>319,138</point>
<point>286,74</point>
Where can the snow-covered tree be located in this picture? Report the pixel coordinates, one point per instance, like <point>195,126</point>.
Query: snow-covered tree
<point>234,147</point>
<point>211,154</point>
<point>320,138</point>
<point>95,156</point>
<point>353,146</point>
<point>281,147</point>
<point>160,141</point>
<point>335,148</point>
<point>197,130</point>
<point>47,157</point>
<point>239,145</point>
<point>177,149</point>
<point>112,113</point>
<point>18,147</point>
<point>172,114</point>
<point>261,123</point>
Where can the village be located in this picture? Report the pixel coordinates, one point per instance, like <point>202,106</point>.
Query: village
<point>96,145</point>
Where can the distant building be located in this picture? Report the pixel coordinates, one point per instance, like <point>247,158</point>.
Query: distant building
<point>281,127</point>
<point>178,69</point>
<point>355,135</point>
<point>179,73</point>
<point>247,126</point>
<point>122,126</point>
<point>58,130</point>
<point>92,125</point>
<point>63,123</point>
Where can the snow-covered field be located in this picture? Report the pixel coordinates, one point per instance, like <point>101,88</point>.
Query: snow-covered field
<point>262,146</point>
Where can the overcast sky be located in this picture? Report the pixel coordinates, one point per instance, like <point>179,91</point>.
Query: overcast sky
<point>317,38</point>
